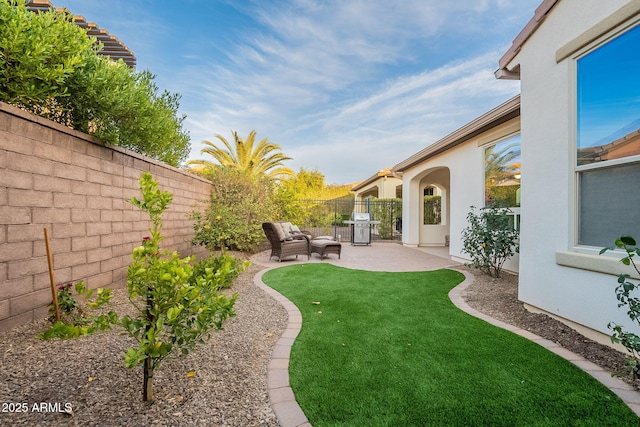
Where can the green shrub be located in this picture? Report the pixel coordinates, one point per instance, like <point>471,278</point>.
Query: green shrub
<point>239,206</point>
<point>432,210</point>
<point>49,66</point>
<point>224,269</point>
<point>123,107</point>
<point>386,211</point>
<point>490,239</point>
<point>38,53</point>
<point>74,319</point>
<point>624,290</point>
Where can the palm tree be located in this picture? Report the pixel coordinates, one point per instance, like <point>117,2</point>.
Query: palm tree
<point>253,162</point>
<point>499,165</point>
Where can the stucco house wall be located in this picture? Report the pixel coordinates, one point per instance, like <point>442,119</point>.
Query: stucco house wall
<point>382,185</point>
<point>457,170</point>
<point>556,276</point>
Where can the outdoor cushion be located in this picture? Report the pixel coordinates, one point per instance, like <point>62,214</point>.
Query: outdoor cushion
<point>286,229</point>
<point>277,228</point>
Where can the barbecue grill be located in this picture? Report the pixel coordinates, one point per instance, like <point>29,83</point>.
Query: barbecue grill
<point>361,224</point>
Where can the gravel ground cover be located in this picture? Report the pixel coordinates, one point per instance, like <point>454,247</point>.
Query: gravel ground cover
<point>229,388</point>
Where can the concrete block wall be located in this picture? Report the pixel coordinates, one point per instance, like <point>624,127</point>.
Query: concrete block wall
<point>70,183</point>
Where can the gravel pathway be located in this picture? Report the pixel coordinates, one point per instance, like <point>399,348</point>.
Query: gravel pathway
<point>229,388</point>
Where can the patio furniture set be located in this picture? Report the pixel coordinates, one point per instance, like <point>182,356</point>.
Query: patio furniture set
<point>287,240</point>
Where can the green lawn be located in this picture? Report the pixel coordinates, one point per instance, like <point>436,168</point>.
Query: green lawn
<point>390,349</point>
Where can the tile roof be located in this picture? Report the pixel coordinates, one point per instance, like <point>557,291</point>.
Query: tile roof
<point>539,16</point>
<point>112,47</point>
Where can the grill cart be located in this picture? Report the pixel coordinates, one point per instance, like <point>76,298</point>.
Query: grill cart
<point>361,224</point>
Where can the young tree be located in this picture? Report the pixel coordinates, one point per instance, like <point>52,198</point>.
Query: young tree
<point>239,206</point>
<point>175,310</point>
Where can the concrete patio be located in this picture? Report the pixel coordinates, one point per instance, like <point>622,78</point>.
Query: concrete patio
<point>379,256</point>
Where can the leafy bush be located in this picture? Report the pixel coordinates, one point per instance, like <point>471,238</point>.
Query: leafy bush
<point>176,309</point>
<point>239,206</point>
<point>39,53</point>
<point>123,107</point>
<point>51,68</point>
<point>624,290</point>
<point>224,267</point>
<point>74,319</point>
<point>490,239</point>
<point>432,210</point>
<point>298,199</point>
<point>385,211</point>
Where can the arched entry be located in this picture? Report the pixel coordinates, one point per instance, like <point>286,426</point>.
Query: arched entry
<point>434,222</point>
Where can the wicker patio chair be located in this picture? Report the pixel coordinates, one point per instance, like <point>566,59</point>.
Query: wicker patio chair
<point>282,245</point>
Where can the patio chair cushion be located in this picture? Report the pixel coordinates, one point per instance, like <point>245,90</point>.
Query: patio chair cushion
<point>277,228</point>
<point>287,229</point>
<point>281,247</point>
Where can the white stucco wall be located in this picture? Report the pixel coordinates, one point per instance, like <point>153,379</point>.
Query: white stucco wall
<point>460,173</point>
<point>548,178</point>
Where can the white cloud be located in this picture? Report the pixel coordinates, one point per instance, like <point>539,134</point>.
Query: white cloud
<point>352,141</point>
<point>347,87</point>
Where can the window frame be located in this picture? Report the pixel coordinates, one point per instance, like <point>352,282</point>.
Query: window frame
<point>514,211</point>
<point>596,44</point>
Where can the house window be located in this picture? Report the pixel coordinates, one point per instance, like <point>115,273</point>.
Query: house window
<point>608,140</point>
<point>432,206</point>
<point>502,173</point>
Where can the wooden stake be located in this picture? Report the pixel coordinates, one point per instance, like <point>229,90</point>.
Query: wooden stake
<point>54,290</point>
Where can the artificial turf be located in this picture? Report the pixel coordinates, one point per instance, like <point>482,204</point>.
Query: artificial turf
<point>390,349</point>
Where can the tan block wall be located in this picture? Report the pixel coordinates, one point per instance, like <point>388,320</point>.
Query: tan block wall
<point>70,183</point>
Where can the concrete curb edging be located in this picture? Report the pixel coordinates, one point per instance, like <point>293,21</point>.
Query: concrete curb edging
<point>281,397</point>
<point>623,390</point>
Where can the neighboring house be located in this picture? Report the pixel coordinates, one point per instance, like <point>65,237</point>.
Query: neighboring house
<point>579,66</point>
<point>473,166</point>
<point>383,185</point>
<point>111,46</point>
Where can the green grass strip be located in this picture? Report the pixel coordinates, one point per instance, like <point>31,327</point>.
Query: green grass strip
<point>390,349</point>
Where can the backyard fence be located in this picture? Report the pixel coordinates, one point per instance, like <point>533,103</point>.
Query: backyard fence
<point>326,217</point>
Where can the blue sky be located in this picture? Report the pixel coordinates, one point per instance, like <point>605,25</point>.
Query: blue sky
<point>347,87</point>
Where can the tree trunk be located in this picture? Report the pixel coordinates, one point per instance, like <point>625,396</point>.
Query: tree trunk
<point>147,386</point>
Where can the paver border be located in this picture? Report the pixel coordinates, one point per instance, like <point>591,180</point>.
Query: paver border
<point>623,390</point>
<point>281,398</point>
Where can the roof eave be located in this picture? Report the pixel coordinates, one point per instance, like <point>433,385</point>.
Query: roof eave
<point>498,115</point>
<point>384,173</point>
<point>506,70</point>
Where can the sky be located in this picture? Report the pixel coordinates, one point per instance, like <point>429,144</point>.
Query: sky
<point>608,108</point>
<point>345,87</point>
